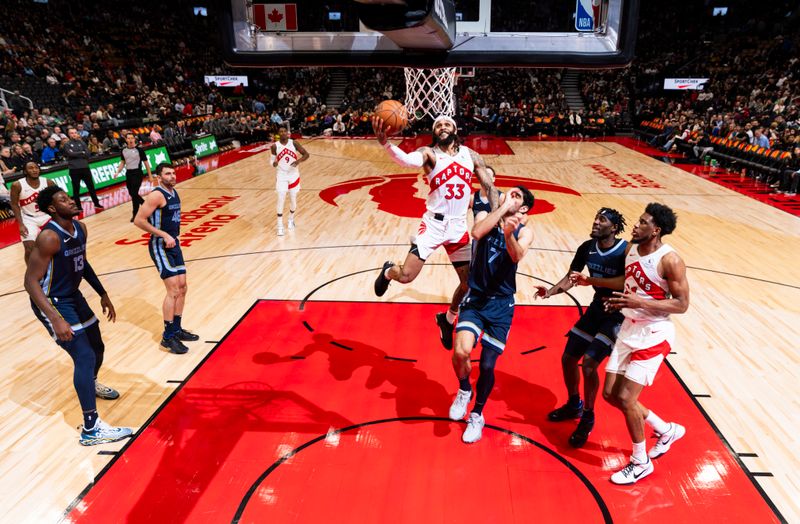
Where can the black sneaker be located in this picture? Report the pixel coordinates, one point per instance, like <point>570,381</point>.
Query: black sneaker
<point>382,283</point>
<point>566,412</point>
<point>186,336</point>
<point>174,345</point>
<point>581,433</point>
<point>445,330</point>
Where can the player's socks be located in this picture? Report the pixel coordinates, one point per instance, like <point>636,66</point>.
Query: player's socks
<point>640,452</point>
<point>463,384</point>
<point>451,317</point>
<point>89,419</point>
<point>659,426</point>
<point>574,401</point>
<point>169,329</point>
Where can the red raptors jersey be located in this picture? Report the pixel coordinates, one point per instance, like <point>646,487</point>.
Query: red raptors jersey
<point>450,181</point>
<point>642,278</point>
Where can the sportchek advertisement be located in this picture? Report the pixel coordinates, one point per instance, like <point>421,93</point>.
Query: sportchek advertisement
<point>685,84</point>
<point>103,171</point>
<point>205,146</point>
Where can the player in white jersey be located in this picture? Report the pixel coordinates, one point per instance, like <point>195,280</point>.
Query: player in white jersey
<point>286,154</point>
<point>30,218</point>
<point>654,286</point>
<point>449,168</point>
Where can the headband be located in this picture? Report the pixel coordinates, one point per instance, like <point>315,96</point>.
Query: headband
<point>446,119</point>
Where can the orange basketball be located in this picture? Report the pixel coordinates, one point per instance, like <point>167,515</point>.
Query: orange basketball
<point>393,114</point>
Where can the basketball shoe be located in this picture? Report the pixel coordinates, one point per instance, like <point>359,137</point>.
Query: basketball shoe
<point>474,429</point>
<point>105,392</point>
<point>174,345</point>
<point>290,224</point>
<point>458,409</point>
<point>633,472</point>
<point>445,330</point>
<point>186,336</point>
<point>667,439</point>
<point>581,433</point>
<point>382,283</point>
<point>102,433</point>
<point>566,412</point>
<point>280,230</point>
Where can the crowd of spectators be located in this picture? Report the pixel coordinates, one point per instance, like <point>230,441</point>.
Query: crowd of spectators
<point>146,69</point>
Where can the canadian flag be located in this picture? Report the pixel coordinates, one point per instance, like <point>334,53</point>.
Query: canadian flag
<point>275,17</point>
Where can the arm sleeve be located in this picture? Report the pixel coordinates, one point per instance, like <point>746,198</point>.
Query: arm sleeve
<point>579,262</point>
<point>404,159</point>
<point>91,278</point>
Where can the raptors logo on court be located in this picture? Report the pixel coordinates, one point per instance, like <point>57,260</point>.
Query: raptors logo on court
<point>398,194</point>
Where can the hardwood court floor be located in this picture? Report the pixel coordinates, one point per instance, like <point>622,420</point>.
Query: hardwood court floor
<point>736,344</point>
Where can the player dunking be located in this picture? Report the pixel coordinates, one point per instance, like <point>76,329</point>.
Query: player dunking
<point>594,334</point>
<point>449,168</point>
<point>160,215</point>
<point>655,286</point>
<point>56,267</point>
<point>284,158</point>
<point>488,308</point>
<point>30,218</point>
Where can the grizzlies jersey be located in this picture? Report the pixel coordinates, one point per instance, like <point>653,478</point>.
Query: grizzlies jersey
<point>168,218</point>
<point>65,270</point>
<point>479,204</point>
<point>601,264</point>
<point>492,273</point>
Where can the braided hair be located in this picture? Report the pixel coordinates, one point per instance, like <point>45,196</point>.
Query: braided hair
<point>613,216</point>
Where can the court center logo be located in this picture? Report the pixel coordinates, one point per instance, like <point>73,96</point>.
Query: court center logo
<point>397,194</point>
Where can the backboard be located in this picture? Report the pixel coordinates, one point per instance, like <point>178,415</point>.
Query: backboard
<point>488,33</point>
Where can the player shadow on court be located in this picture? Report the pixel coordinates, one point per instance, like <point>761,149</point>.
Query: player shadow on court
<point>414,394</point>
<point>147,316</point>
<point>528,403</point>
<point>49,391</point>
<point>198,430</point>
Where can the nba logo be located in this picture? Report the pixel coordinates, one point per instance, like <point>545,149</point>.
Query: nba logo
<point>585,14</point>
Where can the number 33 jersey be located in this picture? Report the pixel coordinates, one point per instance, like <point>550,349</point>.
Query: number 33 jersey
<point>450,181</point>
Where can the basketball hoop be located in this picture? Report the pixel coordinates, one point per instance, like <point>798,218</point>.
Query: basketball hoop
<point>430,92</point>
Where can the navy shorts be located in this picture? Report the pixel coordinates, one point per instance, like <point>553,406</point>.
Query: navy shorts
<point>169,261</point>
<point>490,316</point>
<point>74,309</point>
<point>598,329</point>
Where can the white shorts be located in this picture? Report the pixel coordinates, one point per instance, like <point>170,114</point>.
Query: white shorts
<point>449,232</point>
<point>288,182</point>
<point>640,349</point>
<point>34,226</point>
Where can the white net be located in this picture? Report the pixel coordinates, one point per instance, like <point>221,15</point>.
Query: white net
<point>430,92</point>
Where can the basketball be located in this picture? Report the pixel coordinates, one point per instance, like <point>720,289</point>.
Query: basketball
<point>393,114</point>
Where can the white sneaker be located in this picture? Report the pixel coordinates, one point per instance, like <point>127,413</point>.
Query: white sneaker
<point>633,472</point>
<point>474,429</point>
<point>105,392</point>
<point>290,225</point>
<point>665,440</point>
<point>458,410</point>
<point>280,230</point>
<point>102,433</point>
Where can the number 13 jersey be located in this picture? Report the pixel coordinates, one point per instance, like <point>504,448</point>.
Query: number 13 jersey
<point>450,181</point>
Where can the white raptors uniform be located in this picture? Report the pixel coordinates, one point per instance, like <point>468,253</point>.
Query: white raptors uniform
<point>32,217</point>
<point>288,176</point>
<point>645,338</point>
<point>445,222</point>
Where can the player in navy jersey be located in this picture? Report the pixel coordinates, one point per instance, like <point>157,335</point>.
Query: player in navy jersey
<point>56,267</point>
<point>488,307</point>
<point>160,215</point>
<point>593,335</point>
